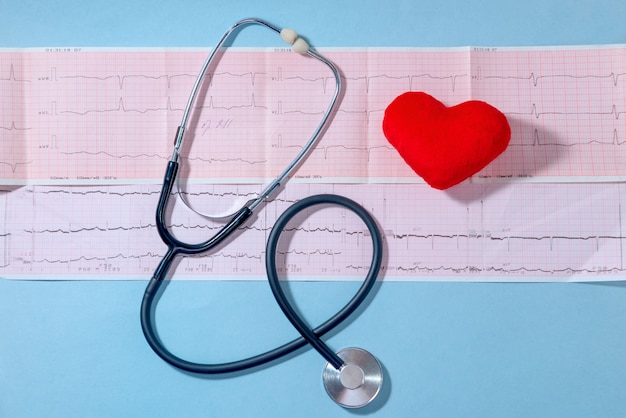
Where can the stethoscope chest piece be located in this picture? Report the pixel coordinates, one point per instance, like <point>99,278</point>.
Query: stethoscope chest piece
<point>357,382</point>
<point>353,376</point>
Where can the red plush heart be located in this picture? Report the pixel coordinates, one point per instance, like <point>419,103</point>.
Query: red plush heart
<point>445,145</point>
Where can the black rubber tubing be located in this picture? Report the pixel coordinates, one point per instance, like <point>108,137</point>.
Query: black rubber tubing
<point>308,336</point>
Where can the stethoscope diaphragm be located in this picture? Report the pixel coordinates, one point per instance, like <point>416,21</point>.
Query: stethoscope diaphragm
<point>357,382</point>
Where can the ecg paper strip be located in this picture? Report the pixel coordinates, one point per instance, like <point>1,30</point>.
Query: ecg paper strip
<point>85,136</point>
<point>485,232</point>
<point>76,116</point>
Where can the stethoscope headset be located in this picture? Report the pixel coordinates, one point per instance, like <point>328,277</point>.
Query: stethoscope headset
<point>352,377</point>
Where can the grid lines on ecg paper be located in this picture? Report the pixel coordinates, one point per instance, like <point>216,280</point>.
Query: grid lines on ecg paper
<point>569,113</point>
<point>102,119</point>
<point>109,116</point>
<point>521,231</point>
<point>13,126</point>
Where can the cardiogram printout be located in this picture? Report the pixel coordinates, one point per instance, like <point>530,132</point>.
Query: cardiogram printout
<point>85,136</point>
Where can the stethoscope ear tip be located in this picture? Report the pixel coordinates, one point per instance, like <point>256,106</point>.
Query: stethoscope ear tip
<point>291,37</point>
<point>358,382</point>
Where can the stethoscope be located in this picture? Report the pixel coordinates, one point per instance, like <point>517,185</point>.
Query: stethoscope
<point>352,377</point>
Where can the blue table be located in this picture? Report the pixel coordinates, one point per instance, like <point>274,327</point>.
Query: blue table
<point>75,349</point>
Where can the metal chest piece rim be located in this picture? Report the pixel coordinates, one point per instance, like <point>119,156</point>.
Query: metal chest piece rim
<point>358,382</point>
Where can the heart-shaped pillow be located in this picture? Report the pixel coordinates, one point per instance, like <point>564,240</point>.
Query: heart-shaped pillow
<point>445,145</point>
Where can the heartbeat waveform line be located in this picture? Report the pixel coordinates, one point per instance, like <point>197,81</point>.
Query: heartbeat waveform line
<point>121,107</point>
<point>368,150</point>
<point>102,192</point>
<point>252,74</point>
<point>534,112</point>
<point>121,79</point>
<point>326,150</point>
<point>45,260</point>
<point>88,229</point>
<point>279,111</point>
<point>551,239</point>
<point>251,105</point>
<point>410,78</point>
<point>182,226</point>
<point>508,238</point>
<point>12,76</point>
<point>14,166</point>
<point>153,192</point>
<point>236,256</point>
<point>534,79</point>
<point>13,127</point>
<point>217,194</point>
<point>149,254</point>
<point>209,257</point>
<point>615,141</point>
<point>302,112</point>
<point>324,80</point>
<point>163,157</point>
<point>131,228</point>
<point>367,113</point>
<point>309,253</point>
<point>117,156</point>
<point>472,270</point>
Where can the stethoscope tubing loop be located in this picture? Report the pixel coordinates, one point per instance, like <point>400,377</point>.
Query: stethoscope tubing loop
<point>151,297</point>
<point>313,336</point>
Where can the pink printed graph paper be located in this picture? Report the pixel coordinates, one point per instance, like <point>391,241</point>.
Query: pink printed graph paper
<point>85,136</point>
<point>109,117</point>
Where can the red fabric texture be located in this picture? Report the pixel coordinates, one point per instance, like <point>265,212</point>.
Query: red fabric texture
<point>445,145</point>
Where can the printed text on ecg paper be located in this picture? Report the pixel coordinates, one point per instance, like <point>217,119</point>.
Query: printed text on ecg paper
<point>548,208</point>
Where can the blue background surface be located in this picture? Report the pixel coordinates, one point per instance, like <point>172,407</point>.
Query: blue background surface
<point>75,349</point>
